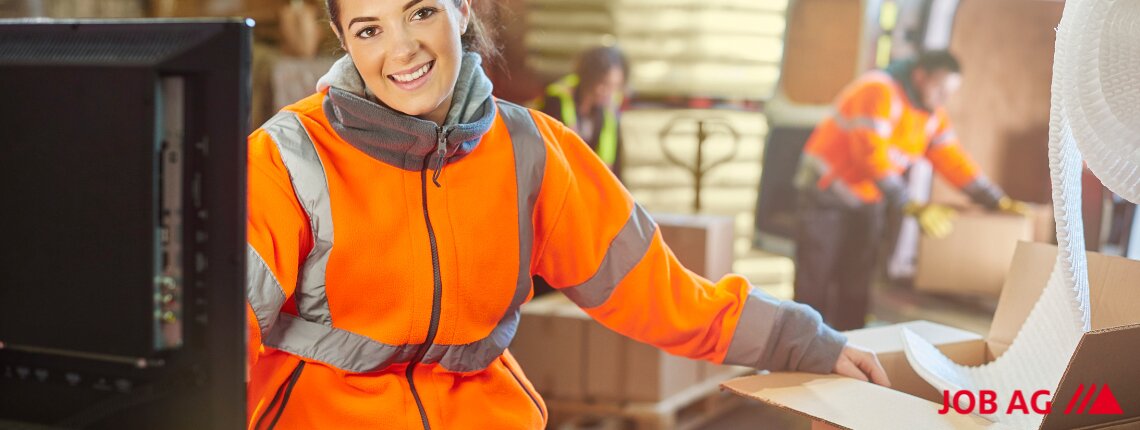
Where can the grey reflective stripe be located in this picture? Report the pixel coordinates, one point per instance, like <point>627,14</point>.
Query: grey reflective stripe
<point>336,347</point>
<point>809,172</point>
<point>844,193</point>
<point>312,337</point>
<point>263,290</point>
<point>311,187</point>
<point>754,330</point>
<point>879,126</point>
<point>943,138</point>
<point>932,124</point>
<point>625,251</point>
<point>530,164</point>
<point>901,159</point>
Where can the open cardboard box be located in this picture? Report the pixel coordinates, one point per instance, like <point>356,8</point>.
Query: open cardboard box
<point>1108,354</point>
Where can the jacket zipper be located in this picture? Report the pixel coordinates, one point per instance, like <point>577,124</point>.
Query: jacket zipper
<point>282,395</point>
<point>438,280</point>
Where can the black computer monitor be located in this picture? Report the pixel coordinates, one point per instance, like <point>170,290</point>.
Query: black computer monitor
<point>122,182</point>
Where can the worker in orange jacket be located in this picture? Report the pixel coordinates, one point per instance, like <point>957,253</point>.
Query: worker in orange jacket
<point>397,216</point>
<point>853,169</point>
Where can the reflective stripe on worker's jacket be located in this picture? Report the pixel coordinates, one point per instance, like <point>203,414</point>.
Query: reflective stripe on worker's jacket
<point>388,258</point>
<point>875,134</point>
<point>563,90</point>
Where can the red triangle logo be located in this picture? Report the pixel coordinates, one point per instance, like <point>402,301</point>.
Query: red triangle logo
<point>1105,404</point>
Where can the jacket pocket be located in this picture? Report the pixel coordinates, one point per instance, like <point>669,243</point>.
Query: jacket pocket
<point>512,368</point>
<point>281,397</point>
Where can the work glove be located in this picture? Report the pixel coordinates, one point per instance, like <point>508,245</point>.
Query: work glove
<point>1014,207</point>
<point>934,219</point>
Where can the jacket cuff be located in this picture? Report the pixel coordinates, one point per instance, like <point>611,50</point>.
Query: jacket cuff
<point>775,335</point>
<point>984,192</point>
<point>803,342</point>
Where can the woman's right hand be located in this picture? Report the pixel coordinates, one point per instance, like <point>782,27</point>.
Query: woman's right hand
<point>859,363</point>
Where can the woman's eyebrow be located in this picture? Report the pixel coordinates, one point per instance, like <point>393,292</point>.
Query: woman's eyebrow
<point>408,5</point>
<point>364,19</point>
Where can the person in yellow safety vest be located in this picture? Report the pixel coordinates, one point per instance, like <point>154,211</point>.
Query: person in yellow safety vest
<point>588,101</point>
<point>852,170</point>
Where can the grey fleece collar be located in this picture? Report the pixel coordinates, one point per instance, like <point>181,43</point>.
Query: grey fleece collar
<point>402,140</point>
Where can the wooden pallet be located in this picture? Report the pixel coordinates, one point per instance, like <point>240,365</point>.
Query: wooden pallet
<point>686,410</point>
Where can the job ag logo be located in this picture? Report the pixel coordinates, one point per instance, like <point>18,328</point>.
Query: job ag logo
<point>1091,401</point>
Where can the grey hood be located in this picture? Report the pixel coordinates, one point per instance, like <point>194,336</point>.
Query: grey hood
<point>402,140</point>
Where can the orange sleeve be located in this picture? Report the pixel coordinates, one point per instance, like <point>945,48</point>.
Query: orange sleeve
<point>278,235</point>
<point>948,157</point>
<point>866,114</point>
<point>606,254</point>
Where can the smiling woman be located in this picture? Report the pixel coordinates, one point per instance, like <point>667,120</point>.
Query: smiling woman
<point>409,54</point>
<point>382,297</point>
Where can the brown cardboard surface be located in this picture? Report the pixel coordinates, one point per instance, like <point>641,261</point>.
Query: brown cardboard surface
<point>550,346</point>
<point>568,325</point>
<point>1029,271</point>
<point>1001,112</point>
<point>652,375</point>
<point>1113,306</point>
<point>605,364</point>
<point>529,344</point>
<point>886,342</point>
<point>702,243</point>
<point>1044,224</point>
<point>975,257</point>
<point>1104,357</point>
<point>569,357</point>
<point>821,49</point>
<point>848,403</point>
<point>1112,302</point>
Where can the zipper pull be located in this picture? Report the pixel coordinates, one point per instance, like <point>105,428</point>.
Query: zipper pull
<point>440,154</point>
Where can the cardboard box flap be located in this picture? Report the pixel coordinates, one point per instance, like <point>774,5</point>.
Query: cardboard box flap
<point>1112,293</point>
<point>847,403</point>
<point>1105,362</point>
<point>887,339</point>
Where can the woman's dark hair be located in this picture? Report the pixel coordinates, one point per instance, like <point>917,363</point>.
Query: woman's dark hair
<point>933,61</point>
<point>477,38</point>
<point>594,63</point>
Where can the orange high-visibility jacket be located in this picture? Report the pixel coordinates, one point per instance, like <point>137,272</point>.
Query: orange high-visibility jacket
<point>379,299</point>
<point>874,135</point>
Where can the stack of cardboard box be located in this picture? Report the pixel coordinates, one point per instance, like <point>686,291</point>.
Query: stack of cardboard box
<point>571,358</point>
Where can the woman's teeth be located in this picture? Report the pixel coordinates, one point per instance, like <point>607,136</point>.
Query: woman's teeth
<point>414,75</point>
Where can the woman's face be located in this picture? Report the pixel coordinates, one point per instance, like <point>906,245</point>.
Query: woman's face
<point>610,85</point>
<point>407,51</point>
